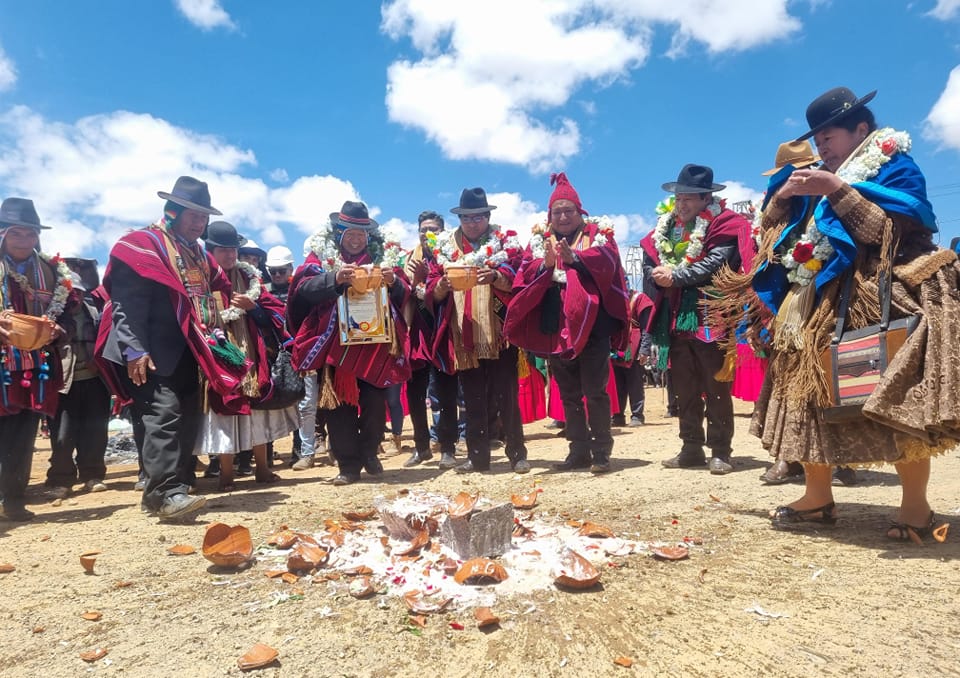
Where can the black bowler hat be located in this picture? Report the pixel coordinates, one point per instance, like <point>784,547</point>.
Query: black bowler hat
<point>353,215</point>
<point>473,201</point>
<point>222,234</point>
<point>693,179</point>
<point>831,107</point>
<point>191,193</point>
<point>20,212</point>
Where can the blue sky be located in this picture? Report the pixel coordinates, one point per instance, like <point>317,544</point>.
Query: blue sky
<point>288,109</point>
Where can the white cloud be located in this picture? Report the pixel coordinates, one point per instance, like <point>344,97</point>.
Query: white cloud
<point>738,192</point>
<point>507,70</point>
<point>205,14</point>
<point>943,121</point>
<point>8,72</point>
<point>945,9</point>
<point>97,178</point>
<point>279,175</point>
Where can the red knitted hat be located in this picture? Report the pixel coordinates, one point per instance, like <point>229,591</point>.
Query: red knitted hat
<point>564,191</point>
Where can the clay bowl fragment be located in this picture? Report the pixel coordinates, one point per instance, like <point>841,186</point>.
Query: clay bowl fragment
<point>358,570</point>
<point>671,552</point>
<point>362,587</point>
<point>480,571</point>
<point>525,501</point>
<point>181,550</point>
<point>257,657</point>
<point>485,617</point>
<point>92,615</point>
<point>462,504</point>
<point>283,539</point>
<point>575,571</point>
<point>418,603</point>
<point>940,533</point>
<point>449,566</point>
<point>88,560</point>
<point>418,542</point>
<point>227,546</point>
<point>305,557</point>
<point>360,515</point>
<point>93,655</point>
<point>7,568</point>
<point>589,529</point>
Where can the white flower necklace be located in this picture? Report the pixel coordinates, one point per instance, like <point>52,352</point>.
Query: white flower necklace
<point>253,292</point>
<point>687,250</point>
<point>882,145</point>
<point>493,251</point>
<point>64,284</point>
<point>541,231</point>
<point>807,255</point>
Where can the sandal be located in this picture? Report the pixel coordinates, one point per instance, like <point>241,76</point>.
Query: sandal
<point>267,479</point>
<point>904,532</point>
<point>788,518</point>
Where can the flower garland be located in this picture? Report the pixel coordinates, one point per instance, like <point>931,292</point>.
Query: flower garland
<point>541,232</point>
<point>64,284</point>
<point>327,250</point>
<point>689,248</point>
<point>393,253</point>
<point>496,248</point>
<point>806,255</point>
<point>885,143</point>
<point>256,288</point>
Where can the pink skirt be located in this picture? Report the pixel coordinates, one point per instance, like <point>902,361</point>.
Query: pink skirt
<point>555,408</point>
<point>748,378</point>
<point>533,397</point>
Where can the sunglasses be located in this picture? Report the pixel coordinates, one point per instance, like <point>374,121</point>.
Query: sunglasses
<point>277,271</point>
<point>473,218</point>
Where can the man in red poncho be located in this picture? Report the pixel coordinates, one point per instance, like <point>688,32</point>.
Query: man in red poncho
<point>689,245</point>
<point>570,304</point>
<point>31,284</point>
<point>157,339</point>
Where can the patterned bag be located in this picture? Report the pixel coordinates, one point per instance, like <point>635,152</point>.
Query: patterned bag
<point>856,360</point>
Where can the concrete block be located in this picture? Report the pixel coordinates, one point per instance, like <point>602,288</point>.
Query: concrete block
<point>484,533</point>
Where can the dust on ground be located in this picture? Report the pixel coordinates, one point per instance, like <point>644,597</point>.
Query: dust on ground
<point>748,601</point>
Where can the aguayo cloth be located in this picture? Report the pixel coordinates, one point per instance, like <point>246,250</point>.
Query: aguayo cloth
<point>193,278</point>
<point>26,390</point>
<point>317,339</point>
<point>914,412</point>
<point>725,227</point>
<point>470,323</point>
<point>536,323</point>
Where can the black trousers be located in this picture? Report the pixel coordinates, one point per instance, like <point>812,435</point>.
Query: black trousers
<point>169,412</point>
<point>630,383</point>
<point>586,377</point>
<point>355,433</point>
<point>80,425</point>
<point>445,386</point>
<point>17,435</point>
<point>487,389</point>
<point>692,367</point>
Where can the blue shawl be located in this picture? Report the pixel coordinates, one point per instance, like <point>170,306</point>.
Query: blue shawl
<point>898,187</point>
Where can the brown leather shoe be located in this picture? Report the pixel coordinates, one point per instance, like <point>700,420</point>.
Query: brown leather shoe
<point>782,472</point>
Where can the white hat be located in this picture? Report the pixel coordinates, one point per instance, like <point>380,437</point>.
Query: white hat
<point>279,256</point>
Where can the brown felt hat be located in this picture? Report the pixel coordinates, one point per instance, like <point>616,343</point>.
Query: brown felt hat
<point>797,153</point>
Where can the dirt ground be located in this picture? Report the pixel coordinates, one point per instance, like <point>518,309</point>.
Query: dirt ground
<point>749,601</point>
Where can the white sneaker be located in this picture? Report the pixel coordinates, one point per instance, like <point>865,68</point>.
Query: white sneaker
<point>93,485</point>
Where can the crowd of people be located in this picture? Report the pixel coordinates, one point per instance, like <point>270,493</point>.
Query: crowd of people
<point>220,348</point>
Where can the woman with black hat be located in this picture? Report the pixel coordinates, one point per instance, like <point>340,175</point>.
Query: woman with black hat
<point>35,290</point>
<point>871,221</point>
<point>352,377</point>
<point>252,315</point>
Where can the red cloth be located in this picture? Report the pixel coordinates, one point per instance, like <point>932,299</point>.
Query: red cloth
<point>726,226</point>
<point>581,298</point>
<point>317,340</point>
<point>555,406</point>
<point>145,252</point>
<point>443,348</point>
<point>748,378</point>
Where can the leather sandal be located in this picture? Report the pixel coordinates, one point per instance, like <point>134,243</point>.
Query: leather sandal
<point>902,530</point>
<point>784,517</point>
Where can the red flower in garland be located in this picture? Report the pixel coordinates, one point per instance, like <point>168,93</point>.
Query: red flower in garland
<point>803,252</point>
<point>489,250</point>
<point>889,146</point>
<point>455,255</point>
<point>511,234</point>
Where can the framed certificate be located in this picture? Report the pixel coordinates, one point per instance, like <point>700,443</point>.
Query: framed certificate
<point>365,317</point>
